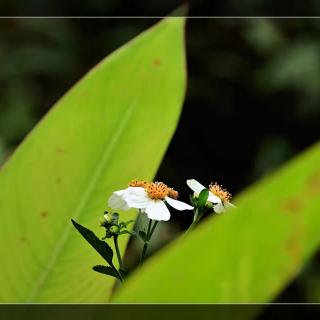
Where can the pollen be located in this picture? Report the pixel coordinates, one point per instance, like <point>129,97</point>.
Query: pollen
<point>138,183</point>
<point>217,190</point>
<point>173,193</point>
<point>157,190</point>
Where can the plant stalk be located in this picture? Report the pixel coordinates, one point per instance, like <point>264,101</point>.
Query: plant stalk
<point>196,218</point>
<point>115,240</point>
<point>146,244</point>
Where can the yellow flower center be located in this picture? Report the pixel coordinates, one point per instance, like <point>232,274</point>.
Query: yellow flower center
<point>173,193</point>
<point>217,190</point>
<point>138,183</point>
<point>157,190</point>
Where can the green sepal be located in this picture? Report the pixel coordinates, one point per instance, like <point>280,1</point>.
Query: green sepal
<point>106,270</point>
<point>193,200</point>
<point>126,223</point>
<point>100,246</point>
<point>203,198</point>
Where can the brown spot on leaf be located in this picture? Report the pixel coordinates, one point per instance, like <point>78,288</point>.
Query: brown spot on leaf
<point>157,62</point>
<point>293,247</point>
<point>313,185</point>
<point>23,239</point>
<point>44,214</point>
<point>292,205</point>
<point>60,150</point>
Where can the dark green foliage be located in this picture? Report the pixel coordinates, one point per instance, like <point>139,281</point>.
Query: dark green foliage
<point>106,270</point>
<point>100,246</point>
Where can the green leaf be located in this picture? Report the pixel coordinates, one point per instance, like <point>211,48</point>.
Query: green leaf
<point>203,197</point>
<point>114,125</point>
<point>106,270</point>
<point>248,254</point>
<point>100,246</point>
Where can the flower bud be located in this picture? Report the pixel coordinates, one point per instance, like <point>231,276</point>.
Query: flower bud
<point>102,222</point>
<point>108,234</point>
<point>108,218</point>
<point>114,229</point>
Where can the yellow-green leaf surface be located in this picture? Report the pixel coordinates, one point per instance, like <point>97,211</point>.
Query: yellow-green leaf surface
<point>248,254</point>
<point>113,126</point>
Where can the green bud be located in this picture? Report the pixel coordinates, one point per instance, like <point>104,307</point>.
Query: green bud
<point>108,234</point>
<point>102,222</point>
<point>115,218</point>
<point>114,229</point>
<point>108,218</point>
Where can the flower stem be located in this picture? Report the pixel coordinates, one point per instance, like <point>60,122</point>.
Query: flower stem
<point>149,228</point>
<point>192,225</point>
<point>143,254</point>
<point>115,240</point>
<point>146,244</point>
<point>153,228</point>
<point>196,218</point>
<point>117,272</point>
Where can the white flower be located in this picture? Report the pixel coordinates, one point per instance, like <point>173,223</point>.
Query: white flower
<point>217,196</point>
<point>150,198</point>
<point>117,202</point>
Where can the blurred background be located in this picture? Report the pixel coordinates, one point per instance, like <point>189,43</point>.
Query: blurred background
<point>252,103</point>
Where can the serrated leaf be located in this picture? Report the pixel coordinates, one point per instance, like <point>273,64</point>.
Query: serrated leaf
<point>100,246</point>
<point>106,270</point>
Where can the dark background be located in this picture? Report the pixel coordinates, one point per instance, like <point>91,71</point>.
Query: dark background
<point>159,7</point>
<point>252,101</point>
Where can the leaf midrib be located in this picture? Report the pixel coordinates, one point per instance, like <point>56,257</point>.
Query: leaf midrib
<point>82,204</point>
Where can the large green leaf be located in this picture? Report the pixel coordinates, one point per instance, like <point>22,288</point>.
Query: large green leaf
<point>247,254</point>
<point>114,125</point>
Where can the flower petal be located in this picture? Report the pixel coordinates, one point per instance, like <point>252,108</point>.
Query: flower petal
<point>218,208</point>
<point>136,197</point>
<point>195,186</point>
<point>157,210</point>
<point>116,201</point>
<point>120,193</point>
<point>213,198</point>
<point>179,205</point>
